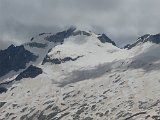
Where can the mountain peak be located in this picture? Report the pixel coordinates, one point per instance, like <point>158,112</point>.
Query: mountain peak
<point>71,31</point>
<point>145,38</point>
<point>77,74</point>
<point>103,38</point>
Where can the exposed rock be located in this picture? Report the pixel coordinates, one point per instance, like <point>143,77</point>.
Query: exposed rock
<point>14,58</point>
<point>2,104</point>
<point>146,38</point>
<point>30,72</point>
<point>58,60</point>
<point>59,37</point>
<point>35,44</point>
<point>103,38</point>
<point>3,89</point>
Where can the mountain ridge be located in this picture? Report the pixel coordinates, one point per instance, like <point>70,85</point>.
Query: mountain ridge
<point>80,75</point>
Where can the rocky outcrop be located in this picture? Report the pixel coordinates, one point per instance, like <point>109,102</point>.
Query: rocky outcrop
<point>30,72</point>
<point>58,60</point>
<point>145,38</point>
<point>103,38</point>
<point>14,58</point>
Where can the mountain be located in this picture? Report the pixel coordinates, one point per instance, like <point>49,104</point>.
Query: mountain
<point>80,75</point>
<point>14,58</point>
<point>145,38</point>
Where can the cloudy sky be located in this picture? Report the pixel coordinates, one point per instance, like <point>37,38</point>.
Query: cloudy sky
<point>121,20</point>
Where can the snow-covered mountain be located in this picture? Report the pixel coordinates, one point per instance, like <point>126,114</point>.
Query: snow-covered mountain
<point>80,75</point>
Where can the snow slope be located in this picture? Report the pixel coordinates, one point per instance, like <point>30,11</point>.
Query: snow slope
<point>84,78</point>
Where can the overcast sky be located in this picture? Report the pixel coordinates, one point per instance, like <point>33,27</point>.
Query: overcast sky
<point>121,20</point>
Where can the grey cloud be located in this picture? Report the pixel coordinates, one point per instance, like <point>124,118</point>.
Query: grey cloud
<point>122,20</point>
<point>4,44</point>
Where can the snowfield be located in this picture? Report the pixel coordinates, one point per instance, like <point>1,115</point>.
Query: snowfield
<point>84,79</point>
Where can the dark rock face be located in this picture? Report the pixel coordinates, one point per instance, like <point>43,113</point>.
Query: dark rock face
<point>59,37</point>
<point>2,104</point>
<point>103,38</point>
<point>4,86</point>
<point>6,83</point>
<point>30,72</point>
<point>139,40</point>
<point>32,38</point>
<point>146,38</point>
<point>154,38</point>
<point>35,44</point>
<point>59,61</point>
<point>3,89</point>
<point>14,58</point>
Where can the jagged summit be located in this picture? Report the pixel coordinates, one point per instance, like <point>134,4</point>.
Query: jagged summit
<point>103,38</point>
<point>37,49</point>
<point>80,75</point>
<point>145,38</point>
<point>14,58</point>
<point>72,31</point>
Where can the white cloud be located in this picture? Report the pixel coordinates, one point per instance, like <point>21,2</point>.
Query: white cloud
<point>121,20</point>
